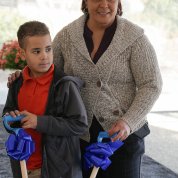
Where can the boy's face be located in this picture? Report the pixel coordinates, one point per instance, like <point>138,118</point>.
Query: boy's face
<point>38,54</point>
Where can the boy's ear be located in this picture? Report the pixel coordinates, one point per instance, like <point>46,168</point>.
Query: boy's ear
<point>22,53</point>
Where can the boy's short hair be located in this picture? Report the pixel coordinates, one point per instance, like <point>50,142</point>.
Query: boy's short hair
<point>31,28</point>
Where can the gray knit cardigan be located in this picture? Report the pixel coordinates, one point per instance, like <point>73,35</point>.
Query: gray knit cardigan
<point>123,84</point>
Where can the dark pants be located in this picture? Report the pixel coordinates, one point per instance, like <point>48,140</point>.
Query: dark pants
<point>16,170</point>
<point>126,161</point>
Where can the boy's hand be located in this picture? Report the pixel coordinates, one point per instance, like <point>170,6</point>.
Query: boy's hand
<point>13,113</point>
<point>29,121</point>
<point>12,77</point>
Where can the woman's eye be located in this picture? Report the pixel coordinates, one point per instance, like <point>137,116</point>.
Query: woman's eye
<point>101,0</point>
<point>96,0</point>
<point>111,0</point>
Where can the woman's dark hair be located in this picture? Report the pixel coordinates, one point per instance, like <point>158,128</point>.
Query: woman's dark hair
<point>85,10</point>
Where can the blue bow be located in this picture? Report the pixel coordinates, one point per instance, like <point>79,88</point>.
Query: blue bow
<point>97,154</point>
<point>19,145</point>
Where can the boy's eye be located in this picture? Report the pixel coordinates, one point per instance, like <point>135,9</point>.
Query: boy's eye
<point>36,51</point>
<point>48,49</point>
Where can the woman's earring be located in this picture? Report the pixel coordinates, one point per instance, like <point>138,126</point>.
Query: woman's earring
<point>118,11</point>
<point>86,10</point>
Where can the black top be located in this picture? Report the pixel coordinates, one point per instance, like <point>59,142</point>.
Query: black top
<point>105,42</point>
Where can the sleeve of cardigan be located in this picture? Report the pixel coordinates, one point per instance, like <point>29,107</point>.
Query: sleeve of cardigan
<point>146,72</point>
<point>57,52</point>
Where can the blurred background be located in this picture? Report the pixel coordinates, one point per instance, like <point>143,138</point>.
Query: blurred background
<point>159,20</point>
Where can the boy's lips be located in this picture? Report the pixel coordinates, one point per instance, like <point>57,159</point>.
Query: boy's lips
<point>45,64</point>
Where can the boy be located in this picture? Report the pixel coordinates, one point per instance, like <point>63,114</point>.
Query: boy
<point>54,112</point>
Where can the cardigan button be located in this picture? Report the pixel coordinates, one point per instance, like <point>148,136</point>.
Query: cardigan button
<point>98,83</point>
<point>101,119</point>
<point>116,112</point>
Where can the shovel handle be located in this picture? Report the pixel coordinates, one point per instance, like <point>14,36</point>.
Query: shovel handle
<point>9,118</point>
<point>94,172</point>
<point>99,139</point>
<point>23,169</point>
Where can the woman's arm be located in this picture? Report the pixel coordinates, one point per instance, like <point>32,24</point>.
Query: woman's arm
<point>147,76</point>
<point>57,53</point>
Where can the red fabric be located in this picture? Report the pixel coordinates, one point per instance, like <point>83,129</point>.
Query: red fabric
<point>33,97</point>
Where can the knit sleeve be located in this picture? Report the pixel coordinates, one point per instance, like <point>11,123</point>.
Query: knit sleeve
<point>146,73</point>
<point>57,52</point>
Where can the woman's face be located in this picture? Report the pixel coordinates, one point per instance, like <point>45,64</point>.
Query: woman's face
<point>102,12</point>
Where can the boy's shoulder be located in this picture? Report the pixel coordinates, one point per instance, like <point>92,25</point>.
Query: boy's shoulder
<point>58,74</point>
<point>75,80</point>
<point>60,77</point>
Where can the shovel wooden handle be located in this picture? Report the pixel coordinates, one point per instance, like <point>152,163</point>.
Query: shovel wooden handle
<point>94,172</point>
<point>99,139</point>
<point>23,169</point>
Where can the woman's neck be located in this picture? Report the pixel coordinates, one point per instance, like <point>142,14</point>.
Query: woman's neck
<point>95,27</point>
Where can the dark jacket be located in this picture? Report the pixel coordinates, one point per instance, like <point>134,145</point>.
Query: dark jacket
<point>64,120</point>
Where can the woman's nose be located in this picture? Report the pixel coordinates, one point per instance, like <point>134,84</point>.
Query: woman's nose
<point>104,3</point>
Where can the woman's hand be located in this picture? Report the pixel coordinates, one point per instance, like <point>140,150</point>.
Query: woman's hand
<point>121,128</point>
<point>12,77</point>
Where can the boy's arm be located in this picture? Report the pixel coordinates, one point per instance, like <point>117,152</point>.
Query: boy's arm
<point>74,119</point>
<point>10,104</point>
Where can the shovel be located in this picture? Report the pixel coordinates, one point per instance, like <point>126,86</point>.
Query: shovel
<point>97,153</point>
<point>19,144</point>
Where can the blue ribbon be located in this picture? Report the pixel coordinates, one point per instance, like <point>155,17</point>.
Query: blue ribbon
<point>97,154</point>
<point>9,118</point>
<point>20,146</point>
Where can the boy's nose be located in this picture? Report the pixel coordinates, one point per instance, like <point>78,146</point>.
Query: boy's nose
<point>43,55</point>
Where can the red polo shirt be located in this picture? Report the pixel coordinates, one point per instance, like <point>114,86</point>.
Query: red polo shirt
<point>32,97</point>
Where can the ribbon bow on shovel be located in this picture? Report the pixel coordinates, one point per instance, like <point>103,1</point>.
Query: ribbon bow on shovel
<point>97,153</point>
<point>19,144</point>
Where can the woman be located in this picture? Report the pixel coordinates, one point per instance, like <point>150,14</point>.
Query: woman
<point>122,79</point>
